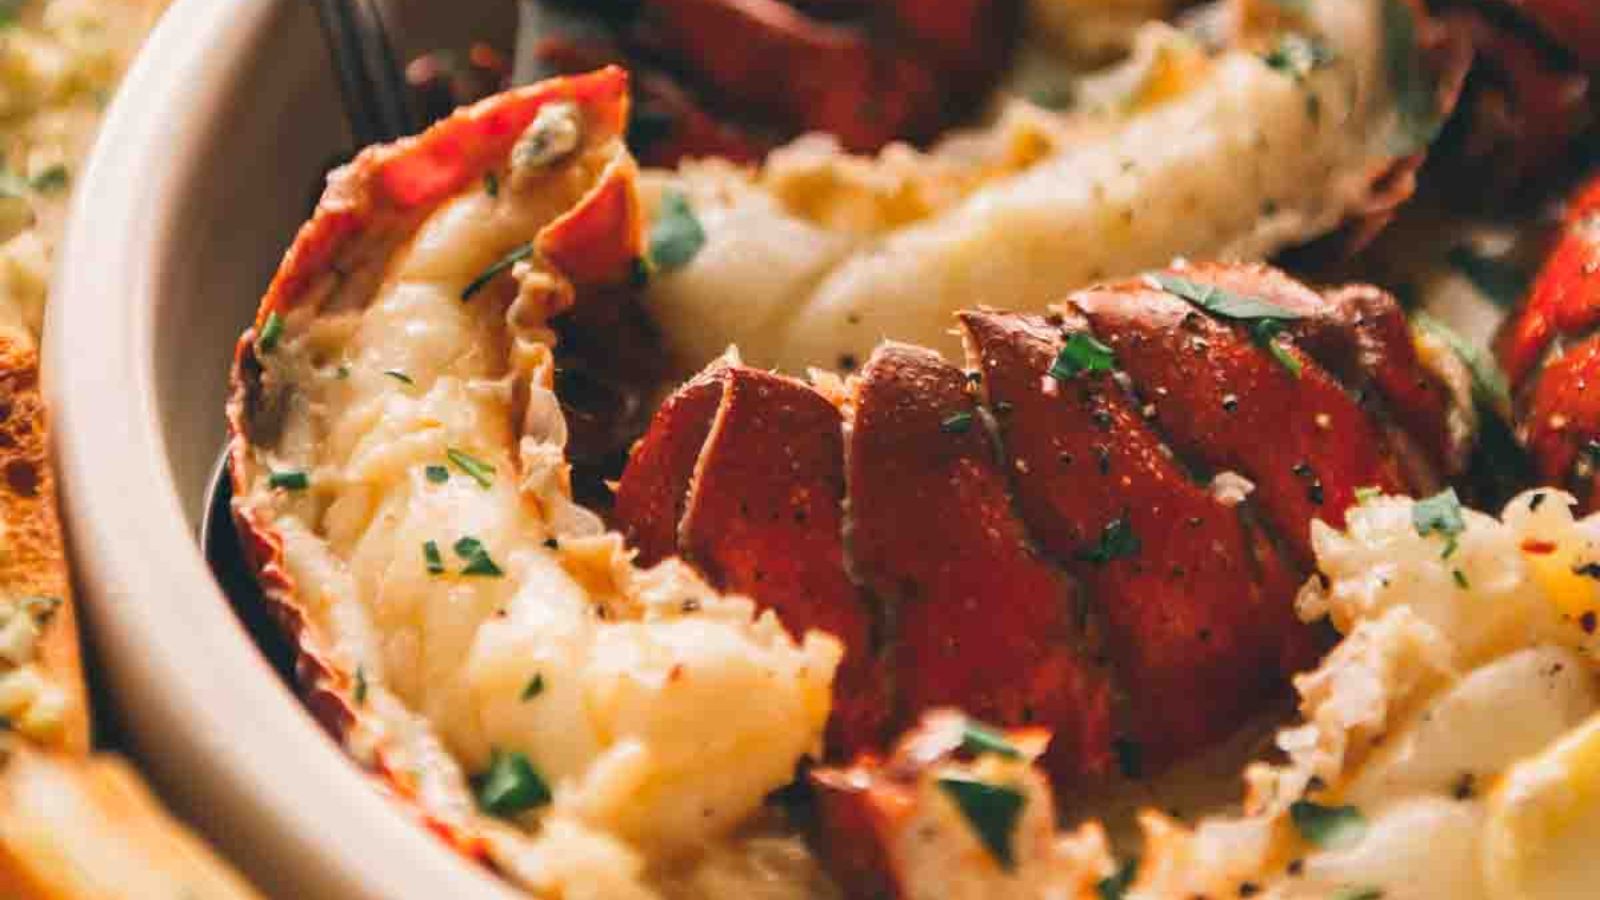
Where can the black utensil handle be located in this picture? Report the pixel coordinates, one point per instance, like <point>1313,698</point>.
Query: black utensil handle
<point>371,82</point>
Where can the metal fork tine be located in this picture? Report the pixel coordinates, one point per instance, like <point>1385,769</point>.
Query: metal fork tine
<point>370,80</point>
<point>387,75</point>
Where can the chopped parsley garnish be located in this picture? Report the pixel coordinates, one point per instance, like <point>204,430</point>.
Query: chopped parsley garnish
<point>1115,886</point>
<point>360,692</point>
<point>1082,353</point>
<point>1367,494</point>
<point>1460,579</point>
<point>496,269</point>
<point>52,179</point>
<point>1503,283</point>
<point>1221,303</point>
<point>511,785</point>
<point>437,474</point>
<point>1415,93</point>
<point>1117,541</point>
<point>676,237</point>
<point>978,739</point>
<point>533,688</point>
<point>342,372</point>
<point>1327,826</point>
<point>491,184</point>
<point>271,333</point>
<point>10,10</point>
<point>991,810</point>
<point>399,376</point>
<point>473,467</point>
<point>957,423</point>
<point>1263,320</point>
<point>289,480</point>
<point>1359,893</point>
<point>477,558</point>
<point>1265,333</point>
<point>1441,515</point>
<point>431,556</point>
<point>1297,55</point>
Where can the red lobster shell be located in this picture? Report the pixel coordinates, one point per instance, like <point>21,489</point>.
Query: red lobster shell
<point>1033,540</point>
<point>370,207</point>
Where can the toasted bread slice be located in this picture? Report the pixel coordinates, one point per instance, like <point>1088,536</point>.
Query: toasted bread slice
<point>41,673</point>
<point>87,829</point>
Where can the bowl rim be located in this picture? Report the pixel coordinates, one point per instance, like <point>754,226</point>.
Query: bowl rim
<point>222,737</point>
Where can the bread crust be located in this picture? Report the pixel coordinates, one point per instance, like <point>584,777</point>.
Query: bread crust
<point>32,553</point>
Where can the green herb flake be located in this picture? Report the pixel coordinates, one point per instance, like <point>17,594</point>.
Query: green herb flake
<point>1265,334</point>
<point>1263,320</point>
<point>360,692</point>
<point>1460,578</point>
<point>471,466</point>
<point>271,333</point>
<point>1503,283</point>
<point>533,688</point>
<point>432,557</point>
<point>342,372</point>
<point>1367,494</point>
<point>1115,886</point>
<point>1297,55</point>
<point>399,376</point>
<point>511,785</point>
<point>1082,353</point>
<point>51,180</point>
<point>289,480</point>
<point>1220,303</point>
<point>491,184</point>
<point>1441,515</point>
<point>676,237</point>
<point>978,739</point>
<point>991,810</point>
<point>437,474</point>
<point>496,269</point>
<point>1327,826</point>
<point>1117,541</point>
<point>1358,893</point>
<point>956,423</point>
<point>477,558</point>
<point>10,12</point>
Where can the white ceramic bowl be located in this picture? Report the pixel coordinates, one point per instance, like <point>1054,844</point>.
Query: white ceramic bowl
<point>202,172</point>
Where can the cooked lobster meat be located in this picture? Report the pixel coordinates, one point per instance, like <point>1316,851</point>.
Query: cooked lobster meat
<point>982,816</point>
<point>1096,528</point>
<point>1551,354</point>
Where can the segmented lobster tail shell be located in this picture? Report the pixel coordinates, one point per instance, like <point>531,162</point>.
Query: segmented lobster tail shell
<point>1097,529</point>
<point>1551,353</point>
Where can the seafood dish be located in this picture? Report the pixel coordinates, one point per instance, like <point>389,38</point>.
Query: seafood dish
<point>1042,449</point>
